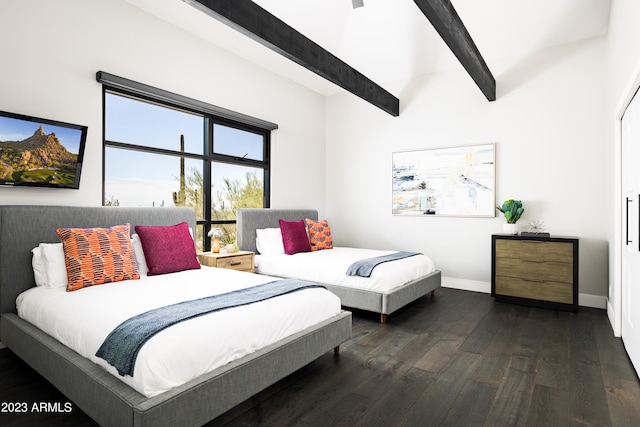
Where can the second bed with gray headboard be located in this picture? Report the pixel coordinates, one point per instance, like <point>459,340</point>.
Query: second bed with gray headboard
<point>385,303</point>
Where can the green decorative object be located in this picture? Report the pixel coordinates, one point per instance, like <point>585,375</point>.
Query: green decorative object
<point>512,210</point>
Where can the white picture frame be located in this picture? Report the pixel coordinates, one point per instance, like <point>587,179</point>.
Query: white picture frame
<point>451,181</point>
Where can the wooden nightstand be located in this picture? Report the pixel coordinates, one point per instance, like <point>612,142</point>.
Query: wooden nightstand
<point>241,260</point>
<point>539,271</point>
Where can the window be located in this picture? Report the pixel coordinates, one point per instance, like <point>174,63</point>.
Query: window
<point>157,153</point>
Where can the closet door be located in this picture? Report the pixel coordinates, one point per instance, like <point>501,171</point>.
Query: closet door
<point>631,231</point>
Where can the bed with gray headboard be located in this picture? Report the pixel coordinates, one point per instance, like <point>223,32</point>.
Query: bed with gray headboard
<point>250,220</point>
<point>106,399</point>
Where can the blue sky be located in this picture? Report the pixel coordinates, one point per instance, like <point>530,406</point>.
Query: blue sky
<point>17,130</point>
<point>145,179</point>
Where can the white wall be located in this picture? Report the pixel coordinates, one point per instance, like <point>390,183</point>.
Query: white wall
<point>623,78</point>
<point>549,127</point>
<point>52,50</point>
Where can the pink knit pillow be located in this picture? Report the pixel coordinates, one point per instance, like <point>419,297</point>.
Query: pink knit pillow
<point>168,249</point>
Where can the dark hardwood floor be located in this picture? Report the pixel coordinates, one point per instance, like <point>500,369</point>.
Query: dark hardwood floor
<point>456,359</point>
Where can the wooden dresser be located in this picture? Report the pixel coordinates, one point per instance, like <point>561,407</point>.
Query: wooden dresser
<point>241,260</point>
<point>533,270</point>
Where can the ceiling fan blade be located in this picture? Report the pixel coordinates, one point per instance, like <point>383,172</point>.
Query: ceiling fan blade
<point>357,3</point>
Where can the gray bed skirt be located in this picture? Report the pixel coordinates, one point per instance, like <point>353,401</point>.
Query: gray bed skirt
<point>110,402</point>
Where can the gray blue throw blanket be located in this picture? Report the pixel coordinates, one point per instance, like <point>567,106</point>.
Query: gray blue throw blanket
<point>122,345</point>
<point>363,268</point>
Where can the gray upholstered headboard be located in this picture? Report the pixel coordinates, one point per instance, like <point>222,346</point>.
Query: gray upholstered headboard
<point>249,220</point>
<point>22,228</point>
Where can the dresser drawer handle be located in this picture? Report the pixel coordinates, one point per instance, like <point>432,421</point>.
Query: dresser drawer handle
<point>534,280</point>
<point>235,263</point>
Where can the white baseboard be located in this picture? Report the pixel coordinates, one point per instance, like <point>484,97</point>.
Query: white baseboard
<point>593,301</point>
<point>466,285</point>
<point>584,300</point>
<point>613,319</point>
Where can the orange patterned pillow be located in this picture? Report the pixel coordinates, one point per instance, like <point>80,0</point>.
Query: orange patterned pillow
<point>94,256</point>
<point>319,234</point>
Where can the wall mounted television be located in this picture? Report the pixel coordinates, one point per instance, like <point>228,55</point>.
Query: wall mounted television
<point>40,152</point>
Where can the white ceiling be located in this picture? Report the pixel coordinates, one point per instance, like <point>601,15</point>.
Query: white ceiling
<point>391,40</point>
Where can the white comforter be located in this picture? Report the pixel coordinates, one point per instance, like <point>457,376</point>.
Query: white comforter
<point>330,267</point>
<point>82,319</point>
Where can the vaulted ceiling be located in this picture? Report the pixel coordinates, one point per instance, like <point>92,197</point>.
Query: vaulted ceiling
<point>391,40</point>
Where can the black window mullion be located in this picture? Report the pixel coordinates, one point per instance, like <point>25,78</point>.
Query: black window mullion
<point>221,158</point>
<point>104,145</point>
<point>147,149</point>
<point>206,185</point>
<point>267,169</point>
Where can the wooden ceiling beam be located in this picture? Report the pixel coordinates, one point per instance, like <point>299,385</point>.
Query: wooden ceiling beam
<point>448,24</point>
<point>263,27</point>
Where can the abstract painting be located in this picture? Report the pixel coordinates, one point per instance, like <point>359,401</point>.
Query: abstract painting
<point>454,181</point>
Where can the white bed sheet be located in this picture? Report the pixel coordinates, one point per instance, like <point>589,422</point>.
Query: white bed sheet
<point>330,266</point>
<point>82,319</point>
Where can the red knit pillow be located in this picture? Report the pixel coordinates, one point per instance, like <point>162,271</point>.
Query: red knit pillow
<point>168,249</point>
<point>294,237</point>
<point>319,234</point>
<point>94,256</point>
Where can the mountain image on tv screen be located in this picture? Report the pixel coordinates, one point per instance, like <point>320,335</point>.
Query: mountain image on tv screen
<point>34,152</point>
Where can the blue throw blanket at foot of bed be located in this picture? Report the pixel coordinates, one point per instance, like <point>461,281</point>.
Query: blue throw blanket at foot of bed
<point>363,268</point>
<point>121,347</point>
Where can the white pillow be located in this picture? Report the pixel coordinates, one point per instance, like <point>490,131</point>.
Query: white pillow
<point>143,268</point>
<point>269,241</point>
<point>39,267</point>
<point>56,269</point>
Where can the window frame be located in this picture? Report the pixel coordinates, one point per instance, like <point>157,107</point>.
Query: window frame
<point>208,156</point>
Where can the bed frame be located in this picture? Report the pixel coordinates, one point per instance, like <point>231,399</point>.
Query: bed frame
<point>102,396</point>
<point>249,220</point>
